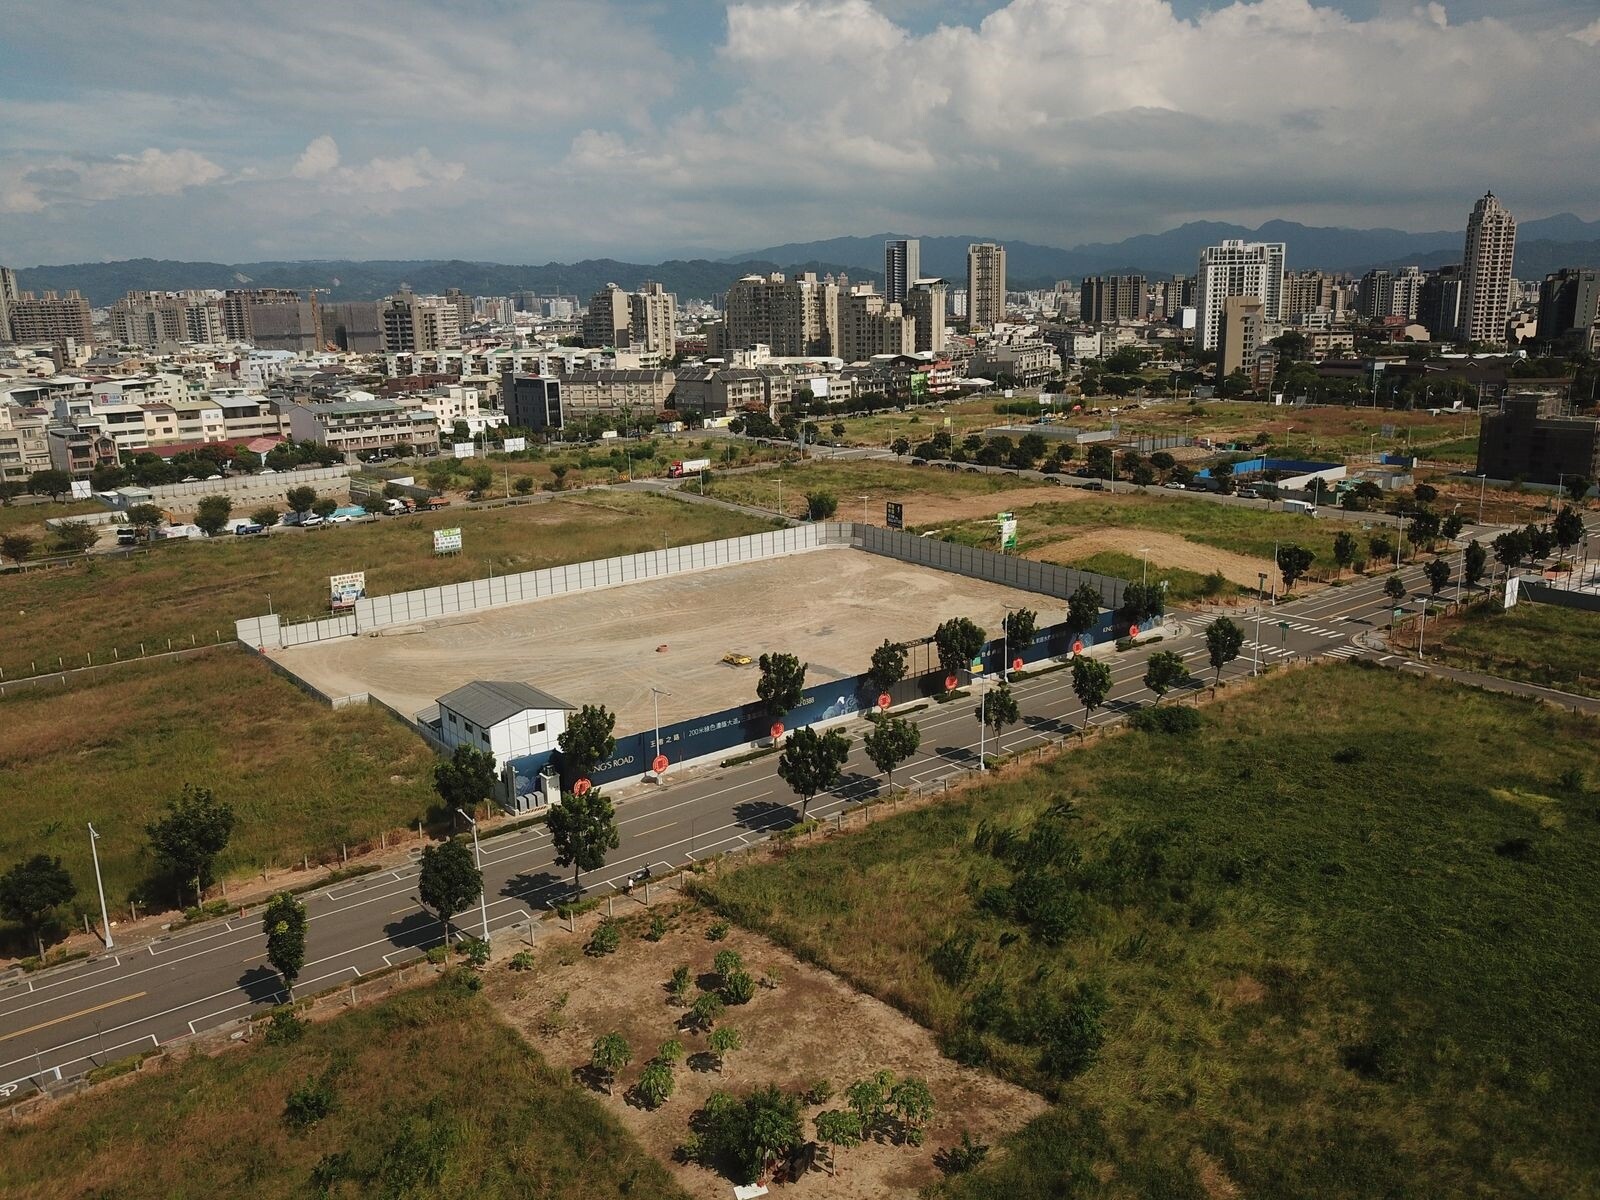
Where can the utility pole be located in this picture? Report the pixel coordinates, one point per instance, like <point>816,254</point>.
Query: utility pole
<point>1261,594</point>
<point>864,519</point>
<point>105,921</point>
<point>1483,486</point>
<point>1421,624</point>
<point>477,858</point>
<point>983,731</point>
<point>655,704</point>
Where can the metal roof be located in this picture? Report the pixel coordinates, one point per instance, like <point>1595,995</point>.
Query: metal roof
<point>488,702</point>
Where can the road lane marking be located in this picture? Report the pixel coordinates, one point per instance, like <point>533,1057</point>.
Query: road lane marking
<point>71,1016</point>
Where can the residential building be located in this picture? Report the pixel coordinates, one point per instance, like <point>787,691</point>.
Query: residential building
<point>1241,338</point>
<point>51,318</point>
<point>354,326</point>
<point>902,267</point>
<point>986,285</point>
<point>1025,363</point>
<point>272,319</point>
<point>1237,268</point>
<point>925,304</point>
<point>653,320</point>
<point>79,451</point>
<point>24,447</point>
<point>606,322</point>
<point>869,325</point>
<point>420,323</point>
<point>359,426</point>
<point>463,306</point>
<point>1385,293</point>
<point>1107,299</point>
<point>531,401</point>
<point>1177,294</point>
<point>793,318</point>
<point>8,299</point>
<point>164,319</point>
<point>1486,271</point>
<point>248,415</point>
<point>1535,438</point>
<point>550,403</point>
<point>1439,302</point>
<point>1307,292</point>
<point>1569,304</point>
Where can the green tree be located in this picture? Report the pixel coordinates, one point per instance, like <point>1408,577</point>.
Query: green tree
<point>266,516</point>
<point>465,779</point>
<point>820,506</point>
<point>609,1054</point>
<point>900,446</point>
<point>559,470</point>
<point>1083,608</point>
<point>1425,493</point>
<point>706,1010</point>
<point>1438,573</point>
<point>891,742</point>
<point>1091,683</point>
<point>213,513</point>
<point>481,476</point>
<point>583,829</point>
<point>782,684</point>
<point>1450,528</point>
<point>911,1101</point>
<point>1344,549</point>
<point>1578,487</point>
<point>724,1040</point>
<point>1020,625</point>
<point>194,831</point>
<point>1395,588</point>
<point>1567,527</point>
<point>145,517</point>
<point>32,890</point>
<point>1511,548</point>
<point>448,881</point>
<point>1165,671</point>
<point>588,739</point>
<point>998,709</point>
<point>838,1128</point>
<point>656,1084</point>
<point>16,546</point>
<point>300,499</point>
<point>1423,527</point>
<point>1224,640</point>
<point>324,506</point>
<point>812,763</point>
<point>75,537</point>
<point>1293,561</point>
<point>50,482</point>
<point>888,665</point>
<point>284,923</point>
<point>522,484</point>
<point>869,1099</point>
<point>1476,558</point>
<point>958,641</point>
<point>1379,548</point>
<point>750,1134</point>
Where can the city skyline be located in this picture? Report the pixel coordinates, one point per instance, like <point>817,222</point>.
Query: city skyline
<point>652,131</point>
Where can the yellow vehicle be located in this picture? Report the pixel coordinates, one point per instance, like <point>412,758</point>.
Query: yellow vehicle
<point>735,659</point>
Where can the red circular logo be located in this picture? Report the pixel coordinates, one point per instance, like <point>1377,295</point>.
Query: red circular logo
<point>581,788</point>
<point>659,763</point>
<point>950,682</point>
<point>1016,664</point>
<point>1077,647</point>
<point>1133,631</point>
<point>884,700</point>
<point>777,729</point>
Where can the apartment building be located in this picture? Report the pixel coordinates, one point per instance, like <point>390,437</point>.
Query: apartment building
<point>1569,305</point>
<point>1241,337</point>
<point>925,304</point>
<point>420,323</point>
<point>902,267</point>
<point>606,321</point>
<point>24,446</point>
<point>869,324</point>
<point>1536,438</point>
<point>1486,263</point>
<point>986,285</point>
<point>272,319</point>
<point>792,318</point>
<point>1026,363</point>
<point>51,318</point>
<point>162,319</point>
<point>8,299</point>
<point>360,426</point>
<point>1106,299</point>
<point>79,451</point>
<point>1383,293</point>
<point>653,320</point>
<point>355,327</point>
<point>1237,268</point>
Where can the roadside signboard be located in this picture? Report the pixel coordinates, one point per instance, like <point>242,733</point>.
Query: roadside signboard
<point>80,489</point>
<point>514,444</point>
<point>447,541</point>
<point>462,449</point>
<point>894,514</point>
<point>344,590</point>
<point>1008,531</point>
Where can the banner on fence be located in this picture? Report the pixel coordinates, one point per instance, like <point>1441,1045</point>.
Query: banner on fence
<point>447,541</point>
<point>514,444</point>
<point>344,590</point>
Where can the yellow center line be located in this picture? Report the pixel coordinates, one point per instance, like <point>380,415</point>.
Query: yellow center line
<point>70,1016</point>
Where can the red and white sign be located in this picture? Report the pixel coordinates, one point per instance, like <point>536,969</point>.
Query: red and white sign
<point>884,700</point>
<point>659,763</point>
<point>777,730</point>
<point>1077,647</point>
<point>1133,631</point>
<point>950,682</point>
<point>581,788</point>
<point>1016,663</point>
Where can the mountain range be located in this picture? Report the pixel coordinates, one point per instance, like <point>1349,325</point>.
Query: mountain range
<point>1543,245</point>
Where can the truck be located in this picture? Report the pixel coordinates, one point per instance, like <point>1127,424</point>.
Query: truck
<point>689,466</point>
<point>399,506</point>
<point>1300,506</point>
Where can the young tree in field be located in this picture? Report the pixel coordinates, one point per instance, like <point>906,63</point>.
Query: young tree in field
<point>212,514</point>
<point>583,829</point>
<point>911,1100</point>
<point>1165,671</point>
<point>891,742</point>
<point>16,546</point>
<point>958,642</point>
<point>1510,549</point>
<point>300,499</point>
<point>1091,683</point>
<point>1567,527</point>
<point>1344,549</point>
<point>266,516</point>
<point>609,1054</point>
<point>998,709</point>
<point>900,446</point>
<point>33,889</point>
<point>1224,640</point>
<point>888,665</point>
<point>465,779</point>
<point>1083,609</point>
<point>1476,560</point>
<point>838,1128</point>
<point>559,470</point>
<point>1394,587</point>
<point>449,881</point>
<point>188,839</point>
<point>324,506</point>
<point>1379,547</point>
<point>820,506</point>
<point>1450,528</point>
<point>284,923</point>
<point>1020,624</point>
<point>588,739</point>
<point>1293,561</point>
<point>144,518</point>
<point>522,484</point>
<point>782,684</point>
<point>869,1099</point>
<point>812,763</point>
<point>656,1084</point>
<point>74,537</point>
<point>50,482</point>
<point>724,1040</point>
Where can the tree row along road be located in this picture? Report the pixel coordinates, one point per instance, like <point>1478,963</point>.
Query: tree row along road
<point>132,999</point>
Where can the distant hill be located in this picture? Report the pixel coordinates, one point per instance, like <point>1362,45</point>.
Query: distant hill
<point>104,283</point>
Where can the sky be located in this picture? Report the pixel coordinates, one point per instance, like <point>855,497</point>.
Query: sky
<point>536,130</point>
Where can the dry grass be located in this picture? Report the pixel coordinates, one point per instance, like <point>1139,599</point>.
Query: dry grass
<point>919,488</point>
<point>432,1095</point>
<point>1536,643</point>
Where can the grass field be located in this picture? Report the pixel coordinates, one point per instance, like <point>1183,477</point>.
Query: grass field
<point>1299,432</point>
<point>916,426</point>
<point>30,518</point>
<point>198,589</point>
<point>1536,643</point>
<point>849,481</point>
<point>302,777</point>
<point>1341,936</point>
<point>1183,586</point>
<point>603,462</point>
<point>431,1096</point>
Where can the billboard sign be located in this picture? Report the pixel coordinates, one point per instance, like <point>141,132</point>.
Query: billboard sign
<point>1008,531</point>
<point>80,489</point>
<point>511,445</point>
<point>447,541</point>
<point>894,514</point>
<point>462,449</point>
<point>344,590</point>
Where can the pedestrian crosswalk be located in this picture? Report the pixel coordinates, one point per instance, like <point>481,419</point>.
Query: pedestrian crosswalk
<point>1343,652</point>
<point>1250,649</point>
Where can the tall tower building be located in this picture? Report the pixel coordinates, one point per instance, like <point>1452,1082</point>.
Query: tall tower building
<point>1486,271</point>
<point>653,319</point>
<point>925,303</point>
<point>606,322</point>
<point>986,285</point>
<point>902,267</point>
<point>1105,299</point>
<point>8,297</point>
<point>1237,268</point>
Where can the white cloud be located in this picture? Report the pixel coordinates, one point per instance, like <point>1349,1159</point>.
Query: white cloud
<point>1589,36</point>
<point>34,187</point>
<point>320,157</point>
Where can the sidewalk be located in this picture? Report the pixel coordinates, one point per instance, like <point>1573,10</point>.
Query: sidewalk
<point>1401,660</point>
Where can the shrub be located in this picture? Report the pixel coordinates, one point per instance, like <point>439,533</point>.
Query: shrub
<point>656,1084</point>
<point>438,954</point>
<point>605,939</point>
<point>670,1051</point>
<point>727,962</point>
<point>718,931</point>
<point>522,960</point>
<point>309,1103</point>
<point>475,950</point>
<point>955,959</point>
<point>657,930</point>
<point>1171,720</point>
<point>819,1092</point>
<point>706,1010</point>
<point>284,1026</point>
<point>679,984</point>
<point>957,1160</point>
<point>738,988</point>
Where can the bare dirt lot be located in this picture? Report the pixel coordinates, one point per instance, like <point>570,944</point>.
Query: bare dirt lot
<point>811,1027</point>
<point>1168,549</point>
<point>929,508</point>
<point>830,607</point>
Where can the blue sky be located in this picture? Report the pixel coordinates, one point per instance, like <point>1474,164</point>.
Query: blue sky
<point>528,130</point>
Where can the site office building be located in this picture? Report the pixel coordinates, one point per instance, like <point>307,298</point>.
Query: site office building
<point>504,718</point>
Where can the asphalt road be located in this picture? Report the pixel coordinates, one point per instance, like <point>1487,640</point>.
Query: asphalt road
<point>61,1023</point>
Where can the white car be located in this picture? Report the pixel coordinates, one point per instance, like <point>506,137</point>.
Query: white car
<point>311,521</point>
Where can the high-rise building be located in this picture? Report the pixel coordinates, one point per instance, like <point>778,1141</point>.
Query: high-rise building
<point>869,324</point>
<point>50,318</point>
<point>8,297</point>
<point>1241,337</point>
<point>606,322</point>
<point>353,325</point>
<point>271,319</point>
<point>1236,268</point>
<point>1569,303</point>
<point>986,285</point>
<point>1177,294</point>
<point>412,322</point>
<point>1439,302</point>
<point>1486,271</point>
<point>1390,294</point>
<point>166,318</point>
<point>902,267</point>
<point>463,303</point>
<point>795,318</point>
<point>925,303</point>
<point>653,320</point>
<point>1106,299</point>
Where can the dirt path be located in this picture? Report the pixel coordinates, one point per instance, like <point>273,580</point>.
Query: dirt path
<point>811,1027</point>
<point>1167,549</point>
<point>926,508</point>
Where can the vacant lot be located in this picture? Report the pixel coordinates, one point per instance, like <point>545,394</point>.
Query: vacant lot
<point>198,589</point>
<point>929,496</point>
<point>612,647</point>
<point>28,516</point>
<point>1298,432</point>
<point>1536,643</point>
<point>1337,944</point>
<point>430,1094</point>
<point>812,1027</point>
<point>880,429</point>
<point>302,778</point>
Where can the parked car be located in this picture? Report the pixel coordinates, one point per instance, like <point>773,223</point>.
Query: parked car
<point>1176,486</point>
<point>311,521</point>
<point>249,529</point>
<point>1094,485</point>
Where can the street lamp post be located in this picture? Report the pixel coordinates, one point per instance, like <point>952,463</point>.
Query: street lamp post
<point>1261,596</point>
<point>1422,623</point>
<point>1144,569</point>
<point>94,850</point>
<point>477,859</point>
<point>1483,486</point>
<point>1005,645</point>
<point>864,520</point>
<point>655,705</point>
<point>983,731</point>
